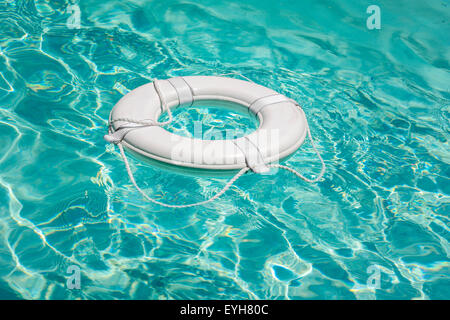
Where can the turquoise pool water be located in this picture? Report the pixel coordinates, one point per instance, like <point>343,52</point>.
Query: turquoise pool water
<point>377,103</point>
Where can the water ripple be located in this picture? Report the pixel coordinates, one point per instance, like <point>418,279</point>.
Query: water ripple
<point>377,103</point>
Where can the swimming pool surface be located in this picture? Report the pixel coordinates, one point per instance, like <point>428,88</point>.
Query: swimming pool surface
<point>378,107</point>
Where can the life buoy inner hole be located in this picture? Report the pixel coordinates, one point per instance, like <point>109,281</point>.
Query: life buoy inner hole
<point>211,120</point>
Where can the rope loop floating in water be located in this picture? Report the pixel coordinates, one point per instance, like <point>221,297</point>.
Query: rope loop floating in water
<point>118,135</point>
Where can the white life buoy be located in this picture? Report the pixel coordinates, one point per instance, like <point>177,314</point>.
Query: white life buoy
<point>282,130</point>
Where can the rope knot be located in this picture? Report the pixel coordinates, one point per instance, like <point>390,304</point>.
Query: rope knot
<point>117,136</point>
<point>260,168</point>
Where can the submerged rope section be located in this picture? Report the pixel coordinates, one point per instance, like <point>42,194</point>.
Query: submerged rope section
<point>178,206</point>
<point>118,135</point>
